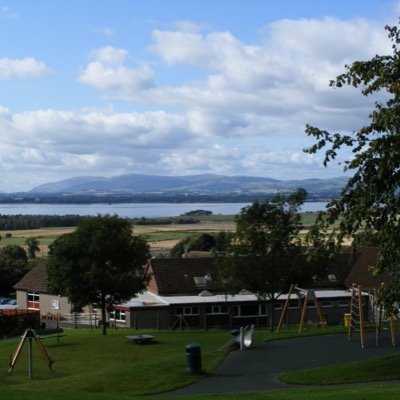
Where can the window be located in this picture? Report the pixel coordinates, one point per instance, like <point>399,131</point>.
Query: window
<point>344,303</point>
<point>216,310</point>
<point>262,309</point>
<point>33,301</point>
<point>310,304</point>
<point>118,315</point>
<point>326,304</point>
<point>294,304</point>
<point>250,310</point>
<point>187,311</point>
<point>200,281</point>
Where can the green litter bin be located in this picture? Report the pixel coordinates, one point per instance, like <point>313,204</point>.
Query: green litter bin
<point>193,358</point>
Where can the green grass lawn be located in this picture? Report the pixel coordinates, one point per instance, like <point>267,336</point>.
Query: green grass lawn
<point>381,368</point>
<point>89,362</point>
<point>90,366</point>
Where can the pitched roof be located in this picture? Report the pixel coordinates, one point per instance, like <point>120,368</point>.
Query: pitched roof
<point>34,280</point>
<point>338,270</point>
<point>360,274</point>
<point>172,276</point>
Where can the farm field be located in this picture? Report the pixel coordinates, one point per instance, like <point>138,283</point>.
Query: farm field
<point>160,237</point>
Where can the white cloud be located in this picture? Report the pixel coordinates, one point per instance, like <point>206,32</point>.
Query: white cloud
<point>248,87</point>
<point>189,26</point>
<point>23,68</point>
<point>109,55</point>
<point>242,112</point>
<point>106,31</point>
<point>107,72</point>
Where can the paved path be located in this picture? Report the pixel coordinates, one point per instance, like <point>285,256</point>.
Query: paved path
<point>257,369</point>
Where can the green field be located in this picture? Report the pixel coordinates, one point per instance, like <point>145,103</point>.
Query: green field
<point>154,234</point>
<point>89,366</point>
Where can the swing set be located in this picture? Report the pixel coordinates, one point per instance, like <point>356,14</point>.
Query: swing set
<point>304,296</point>
<point>31,335</point>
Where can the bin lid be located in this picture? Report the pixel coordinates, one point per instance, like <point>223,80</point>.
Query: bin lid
<point>192,346</point>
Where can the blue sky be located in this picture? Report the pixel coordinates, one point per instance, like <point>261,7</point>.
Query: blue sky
<point>178,87</point>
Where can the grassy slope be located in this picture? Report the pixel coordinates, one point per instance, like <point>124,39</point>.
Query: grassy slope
<point>89,366</point>
<point>89,362</point>
<point>354,392</point>
<point>380,368</point>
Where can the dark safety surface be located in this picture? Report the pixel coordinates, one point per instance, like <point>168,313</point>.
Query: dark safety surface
<point>258,368</point>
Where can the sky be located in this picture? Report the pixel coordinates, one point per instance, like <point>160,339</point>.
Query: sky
<point>178,87</point>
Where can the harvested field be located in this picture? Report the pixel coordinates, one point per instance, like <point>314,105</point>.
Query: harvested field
<point>161,238</point>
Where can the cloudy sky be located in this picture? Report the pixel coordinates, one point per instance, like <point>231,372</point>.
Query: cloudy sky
<point>178,87</point>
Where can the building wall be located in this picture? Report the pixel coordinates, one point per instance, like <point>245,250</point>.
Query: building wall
<point>22,299</point>
<point>230,316</point>
<point>151,318</point>
<point>49,305</point>
<point>53,305</point>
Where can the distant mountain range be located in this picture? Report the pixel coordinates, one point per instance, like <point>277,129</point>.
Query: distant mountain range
<point>208,184</point>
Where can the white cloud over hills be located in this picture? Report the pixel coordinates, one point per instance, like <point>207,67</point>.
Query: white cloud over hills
<point>194,100</point>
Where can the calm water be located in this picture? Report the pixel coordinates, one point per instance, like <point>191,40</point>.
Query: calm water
<point>134,210</point>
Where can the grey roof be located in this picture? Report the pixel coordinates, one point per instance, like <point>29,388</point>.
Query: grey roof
<point>172,276</point>
<point>35,280</point>
<point>360,274</point>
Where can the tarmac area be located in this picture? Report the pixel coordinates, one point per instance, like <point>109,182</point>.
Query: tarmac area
<point>258,368</point>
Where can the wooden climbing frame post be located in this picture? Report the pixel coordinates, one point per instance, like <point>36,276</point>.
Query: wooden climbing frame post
<point>357,314</point>
<point>285,307</point>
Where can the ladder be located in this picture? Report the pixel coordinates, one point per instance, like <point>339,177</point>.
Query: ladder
<point>357,314</point>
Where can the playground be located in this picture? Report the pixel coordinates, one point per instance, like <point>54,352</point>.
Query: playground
<point>258,368</point>
<point>86,363</point>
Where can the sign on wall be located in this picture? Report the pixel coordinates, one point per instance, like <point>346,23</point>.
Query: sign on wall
<point>55,304</point>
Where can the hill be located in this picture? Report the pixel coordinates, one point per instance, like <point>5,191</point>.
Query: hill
<point>206,184</point>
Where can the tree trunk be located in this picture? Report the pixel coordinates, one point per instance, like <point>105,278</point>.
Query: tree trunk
<point>272,314</point>
<point>103,313</point>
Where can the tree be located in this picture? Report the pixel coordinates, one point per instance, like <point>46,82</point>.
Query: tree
<point>204,242</point>
<point>32,245</point>
<point>223,240</point>
<point>366,237</point>
<point>13,266</point>
<point>370,200</point>
<point>180,248</point>
<point>267,254</point>
<point>100,262</point>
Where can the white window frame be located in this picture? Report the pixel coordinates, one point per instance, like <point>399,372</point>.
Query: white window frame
<point>238,311</point>
<point>187,310</point>
<point>216,310</point>
<point>35,300</point>
<point>118,315</point>
<point>344,303</point>
<point>291,305</point>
